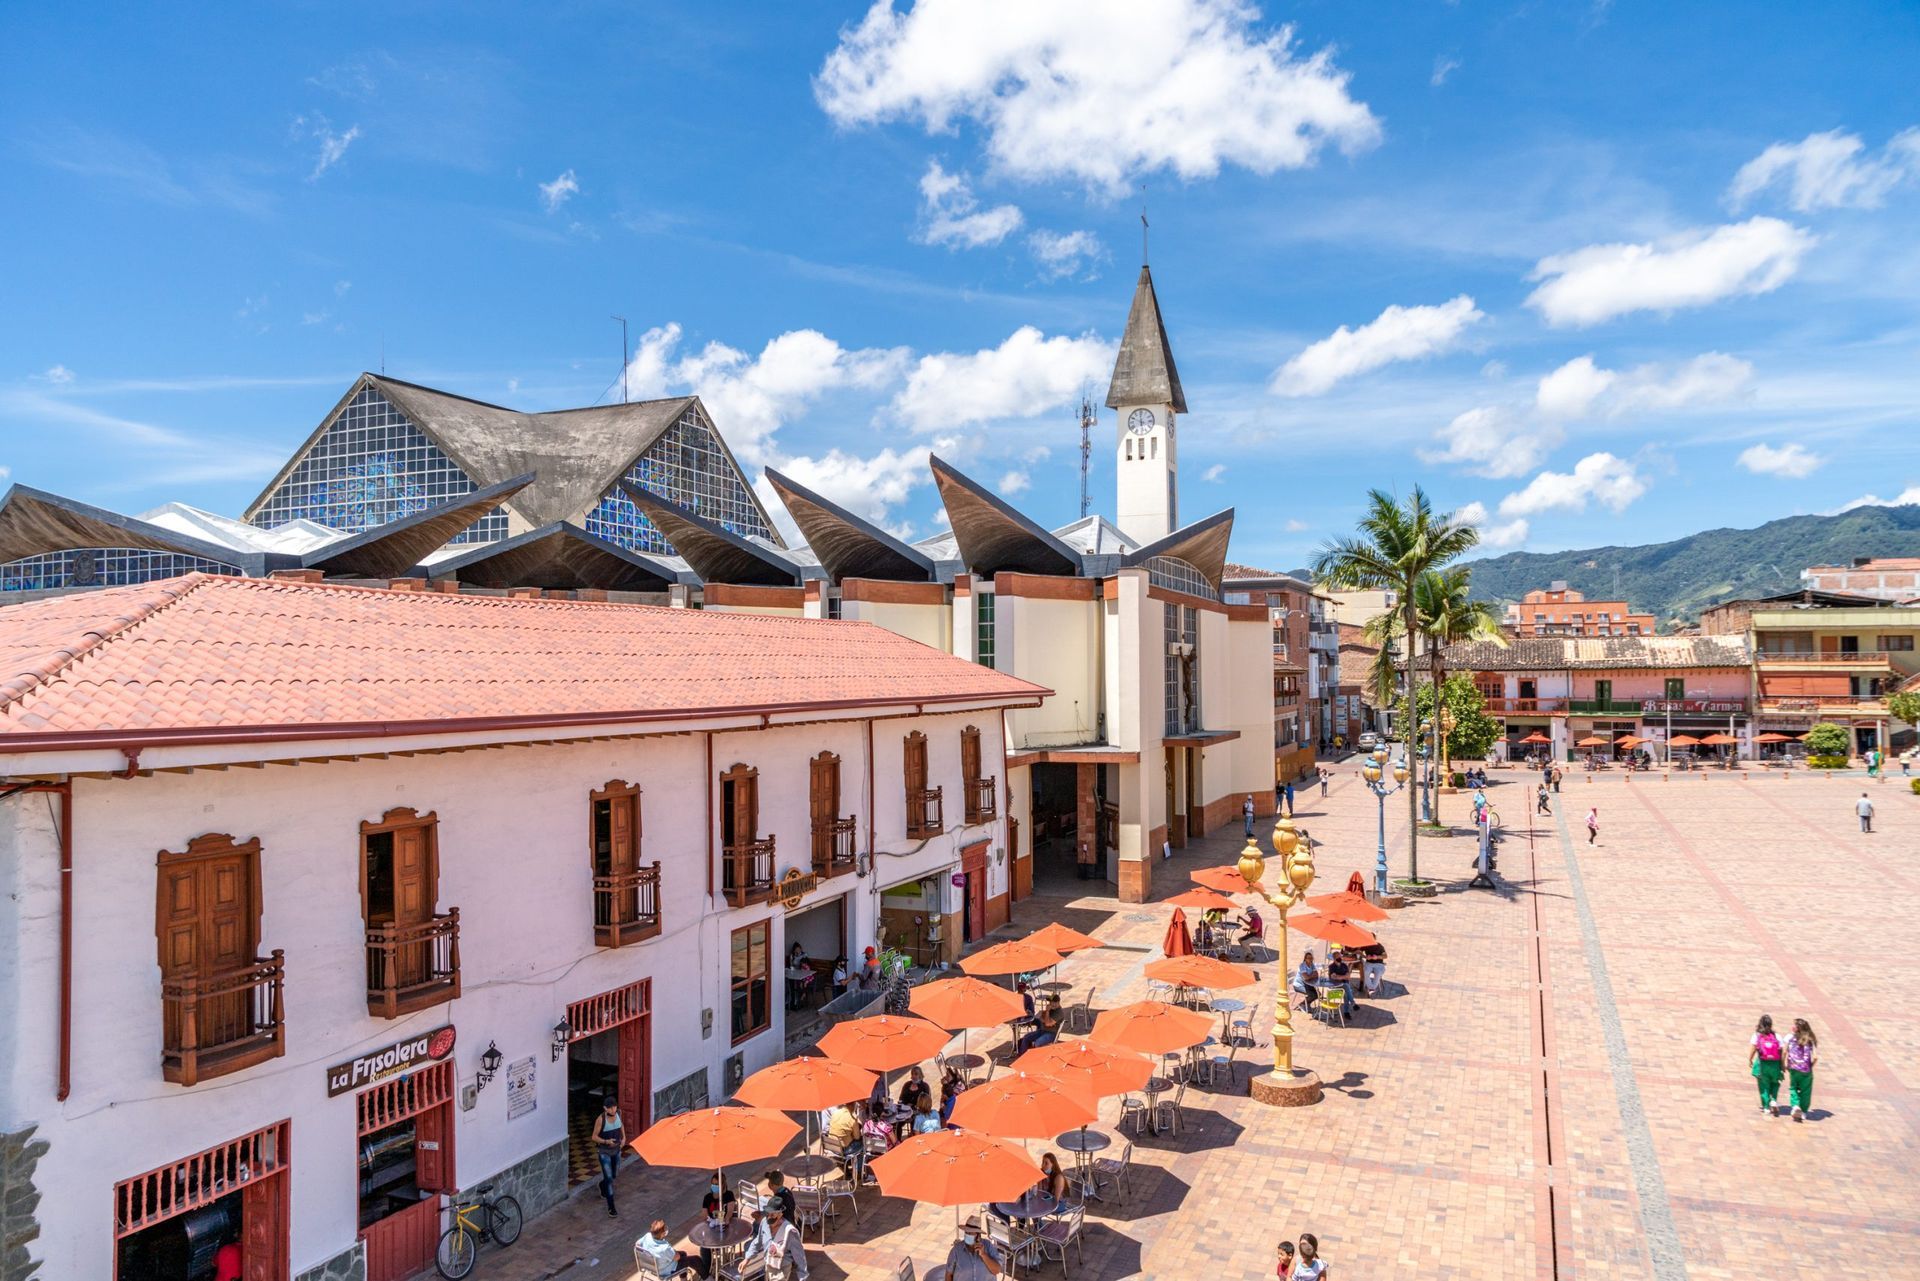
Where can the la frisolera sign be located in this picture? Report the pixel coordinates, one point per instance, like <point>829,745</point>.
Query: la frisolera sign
<point>389,1060</point>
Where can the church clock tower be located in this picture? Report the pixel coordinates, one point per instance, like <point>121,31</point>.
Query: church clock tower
<point>1145,392</point>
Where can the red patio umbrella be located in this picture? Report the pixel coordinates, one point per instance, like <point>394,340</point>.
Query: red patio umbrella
<point>1178,942</point>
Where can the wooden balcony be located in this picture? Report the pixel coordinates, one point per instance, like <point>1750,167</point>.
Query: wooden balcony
<point>224,1021</point>
<point>982,799</point>
<point>924,816</point>
<point>1842,704</point>
<point>410,967</point>
<point>834,845</point>
<point>626,908</point>
<point>747,872</point>
<point>1526,706</point>
<point>1826,660</point>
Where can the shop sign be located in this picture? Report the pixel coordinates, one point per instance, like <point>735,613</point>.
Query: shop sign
<point>1659,706</point>
<point>521,1093</point>
<point>796,885</point>
<point>390,1060</point>
<point>959,880</point>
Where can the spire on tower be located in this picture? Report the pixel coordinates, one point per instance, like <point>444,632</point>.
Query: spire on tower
<point>1143,372</point>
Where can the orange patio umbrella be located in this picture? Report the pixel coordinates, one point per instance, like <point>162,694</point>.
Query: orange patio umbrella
<point>1347,906</point>
<point>1023,1106</point>
<point>1629,740</point>
<point>1594,740</point>
<point>1016,957</point>
<point>1227,880</point>
<point>955,1167</point>
<point>805,1084</point>
<point>1719,740</point>
<point>1177,942</point>
<point>1098,1070</point>
<point>1201,897</point>
<point>1774,738</point>
<point>1683,740</point>
<point>715,1138</point>
<point>1200,971</point>
<point>1536,737</point>
<point>884,1042</point>
<point>965,1002</point>
<point>1062,939</point>
<point>1331,929</point>
<point>1152,1027</point>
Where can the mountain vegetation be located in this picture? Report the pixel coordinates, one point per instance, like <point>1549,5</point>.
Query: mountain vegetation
<point>1680,578</point>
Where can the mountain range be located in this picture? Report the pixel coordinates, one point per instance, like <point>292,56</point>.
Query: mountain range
<point>1680,578</point>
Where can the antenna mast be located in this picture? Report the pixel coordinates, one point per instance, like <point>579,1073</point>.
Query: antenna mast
<point>625,357</point>
<point>1086,447</point>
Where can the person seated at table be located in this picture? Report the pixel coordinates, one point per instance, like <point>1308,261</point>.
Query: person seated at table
<point>915,1089</point>
<point>657,1243</point>
<point>839,976</point>
<point>776,1192</point>
<point>1025,989</point>
<point>1306,980</point>
<point>925,1119</point>
<point>800,979</point>
<point>1053,1180</point>
<point>875,1132</point>
<point>717,1205</point>
<point>1252,928</point>
<point>951,1084</point>
<point>973,1257</point>
<point>796,956</point>
<point>1338,971</point>
<point>843,1131</point>
<point>1046,1026</point>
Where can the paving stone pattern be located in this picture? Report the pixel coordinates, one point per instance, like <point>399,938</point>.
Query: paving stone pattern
<point>1554,1085</point>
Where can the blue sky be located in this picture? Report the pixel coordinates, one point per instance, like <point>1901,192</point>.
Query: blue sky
<point>1606,273</point>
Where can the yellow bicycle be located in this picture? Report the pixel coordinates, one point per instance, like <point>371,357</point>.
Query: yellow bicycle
<point>485,1218</point>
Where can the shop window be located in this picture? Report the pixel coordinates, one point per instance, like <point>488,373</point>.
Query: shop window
<point>752,1011</point>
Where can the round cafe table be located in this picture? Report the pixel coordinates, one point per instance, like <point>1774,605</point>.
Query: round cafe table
<point>1034,1205</point>
<point>1226,1007</point>
<point>967,1063</point>
<point>810,1165</point>
<point>722,1237</point>
<point>1083,1144</point>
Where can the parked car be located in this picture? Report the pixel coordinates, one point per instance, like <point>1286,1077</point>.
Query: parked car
<point>1368,740</point>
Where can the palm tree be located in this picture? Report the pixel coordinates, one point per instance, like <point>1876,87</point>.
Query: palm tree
<point>1396,545</point>
<point>1449,617</point>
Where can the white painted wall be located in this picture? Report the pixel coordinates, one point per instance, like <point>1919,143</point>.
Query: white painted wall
<point>929,624</point>
<point>513,843</point>
<point>1054,644</point>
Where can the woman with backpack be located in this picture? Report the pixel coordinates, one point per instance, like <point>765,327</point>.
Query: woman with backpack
<point>1764,1057</point>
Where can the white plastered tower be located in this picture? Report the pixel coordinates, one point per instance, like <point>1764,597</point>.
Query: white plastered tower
<point>1145,393</point>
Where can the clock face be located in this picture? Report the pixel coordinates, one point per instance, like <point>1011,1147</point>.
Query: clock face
<point>1140,421</point>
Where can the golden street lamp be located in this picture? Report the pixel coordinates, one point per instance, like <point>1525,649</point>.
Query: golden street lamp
<point>1284,1087</point>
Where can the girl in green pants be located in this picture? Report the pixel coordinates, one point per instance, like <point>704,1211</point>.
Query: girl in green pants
<point>1802,1052</point>
<point>1763,1060</point>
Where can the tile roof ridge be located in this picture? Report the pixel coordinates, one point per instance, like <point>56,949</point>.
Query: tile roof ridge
<point>56,661</point>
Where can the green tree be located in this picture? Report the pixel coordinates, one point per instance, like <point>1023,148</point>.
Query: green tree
<point>1471,733</point>
<point>1395,545</point>
<point>1905,706</point>
<point>1828,739</point>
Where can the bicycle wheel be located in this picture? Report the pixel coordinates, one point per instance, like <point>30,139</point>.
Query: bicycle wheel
<point>457,1253</point>
<point>506,1220</point>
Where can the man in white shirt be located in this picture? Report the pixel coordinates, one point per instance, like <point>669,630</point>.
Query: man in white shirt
<point>780,1243</point>
<point>1864,808</point>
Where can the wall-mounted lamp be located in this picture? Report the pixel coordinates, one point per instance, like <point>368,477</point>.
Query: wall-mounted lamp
<point>562,1033</point>
<point>489,1065</point>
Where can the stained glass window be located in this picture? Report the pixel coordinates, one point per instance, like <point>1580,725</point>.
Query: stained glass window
<point>371,466</point>
<point>688,466</point>
<point>101,567</point>
<point>1177,575</point>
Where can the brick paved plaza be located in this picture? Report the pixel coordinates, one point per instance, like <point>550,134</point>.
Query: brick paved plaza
<point>1555,1084</point>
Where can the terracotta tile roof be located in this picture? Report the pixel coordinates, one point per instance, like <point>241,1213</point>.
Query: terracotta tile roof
<point>205,656</point>
<point>1536,653</point>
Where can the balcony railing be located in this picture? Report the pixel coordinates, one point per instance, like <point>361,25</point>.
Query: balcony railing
<point>1821,702</point>
<point>747,874</point>
<point>982,803</point>
<point>1528,706</point>
<point>410,967</point>
<point>924,816</point>
<point>626,907</point>
<point>833,845</point>
<point>223,1021</point>
<point>1788,658</point>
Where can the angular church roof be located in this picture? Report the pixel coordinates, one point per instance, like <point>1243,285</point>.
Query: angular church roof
<point>715,553</point>
<point>991,536</point>
<point>846,545</point>
<point>1143,371</point>
<point>1202,545</point>
<point>393,549</point>
<point>559,557</point>
<point>34,522</point>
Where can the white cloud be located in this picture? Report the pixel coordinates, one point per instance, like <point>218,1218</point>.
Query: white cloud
<point>340,288</point>
<point>1398,333</point>
<point>1028,374</point>
<point>1443,66</point>
<point>1698,267</point>
<point>315,317</point>
<point>1791,460</point>
<point>1296,526</point>
<point>950,214</point>
<point>1581,388</point>
<point>1909,495</point>
<point>1494,533</point>
<point>1601,478</point>
<point>1827,171</point>
<point>871,487</point>
<point>1214,474</point>
<point>333,146</point>
<point>1098,91</point>
<point>1494,441</point>
<point>59,375</point>
<point>1065,253</point>
<point>559,191</point>
<point>750,397</point>
<point>1015,482</point>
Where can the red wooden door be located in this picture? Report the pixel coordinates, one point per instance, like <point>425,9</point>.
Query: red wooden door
<point>402,1245</point>
<point>263,1230</point>
<point>635,1089</point>
<point>207,925</point>
<point>970,753</point>
<point>413,901</point>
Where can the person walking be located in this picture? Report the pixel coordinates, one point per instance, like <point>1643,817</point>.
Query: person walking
<point>1593,825</point>
<point>1246,812</point>
<point>1289,799</point>
<point>1763,1060</point>
<point>609,1136</point>
<point>1326,777</point>
<point>1864,808</point>
<point>1283,1268</point>
<point>1543,807</point>
<point>1311,1266</point>
<point>1801,1052</point>
<point>1553,775</point>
